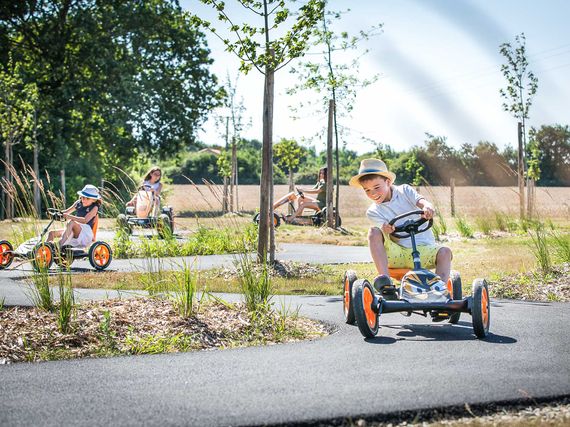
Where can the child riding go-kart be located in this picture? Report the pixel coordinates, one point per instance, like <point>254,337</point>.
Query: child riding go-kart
<point>147,213</point>
<point>42,254</point>
<point>421,292</point>
<point>318,218</point>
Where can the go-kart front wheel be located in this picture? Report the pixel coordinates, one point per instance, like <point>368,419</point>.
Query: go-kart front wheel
<point>42,256</point>
<point>276,219</point>
<point>364,310</point>
<point>6,254</point>
<point>347,303</point>
<point>481,311</point>
<point>456,294</point>
<point>100,255</point>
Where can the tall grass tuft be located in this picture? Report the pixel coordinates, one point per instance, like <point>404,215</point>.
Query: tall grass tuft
<point>255,284</point>
<point>41,294</point>
<point>484,225</point>
<point>155,280</point>
<point>66,303</point>
<point>108,336</point>
<point>540,249</point>
<point>436,231</point>
<point>463,227</point>
<point>561,244</point>
<point>185,291</point>
<point>2,302</point>
<point>441,221</point>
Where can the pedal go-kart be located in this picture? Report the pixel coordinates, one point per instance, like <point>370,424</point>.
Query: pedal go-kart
<point>147,213</point>
<point>317,219</point>
<point>42,254</point>
<point>421,292</point>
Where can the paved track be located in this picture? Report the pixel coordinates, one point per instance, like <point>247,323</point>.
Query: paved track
<point>413,364</point>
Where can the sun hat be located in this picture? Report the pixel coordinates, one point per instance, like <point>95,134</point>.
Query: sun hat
<point>90,191</point>
<point>371,167</point>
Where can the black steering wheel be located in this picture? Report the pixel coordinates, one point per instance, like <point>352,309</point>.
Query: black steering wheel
<point>410,226</point>
<point>56,214</point>
<point>300,192</point>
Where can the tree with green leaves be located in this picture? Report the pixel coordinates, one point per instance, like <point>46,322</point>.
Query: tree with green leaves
<point>522,85</point>
<point>18,104</point>
<point>257,49</point>
<point>117,81</point>
<point>287,154</point>
<point>332,79</point>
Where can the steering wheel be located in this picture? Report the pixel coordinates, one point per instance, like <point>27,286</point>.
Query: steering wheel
<point>300,192</point>
<point>56,214</point>
<point>404,230</point>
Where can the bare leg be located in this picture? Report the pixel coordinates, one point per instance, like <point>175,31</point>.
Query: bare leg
<point>377,250</point>
<point>53,234</point>
<point>305,203</point>
<point>287,197</point>
<point>73,229</point>
<point>443,263</point>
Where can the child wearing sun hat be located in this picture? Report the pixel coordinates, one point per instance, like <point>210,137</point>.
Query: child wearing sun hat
<point>79,229</point>
<point>390,200</point>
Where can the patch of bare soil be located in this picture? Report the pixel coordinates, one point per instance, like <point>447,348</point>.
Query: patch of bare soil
<point>142,325</point>
<point>535,286</point>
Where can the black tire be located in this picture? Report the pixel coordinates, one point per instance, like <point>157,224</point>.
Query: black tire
<point>42,256</point>
<point>123,224</point>
<point>64,258</point>
<point>100,255</point>
<point>366,316</point>
<point>6,258</point>
<point>481,310</point>
<point>164,226</point>
<point>347,303</point>
<point>457,294</point>
<point>276,219</point>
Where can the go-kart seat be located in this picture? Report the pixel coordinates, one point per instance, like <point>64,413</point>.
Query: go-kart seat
<point>95,225</point>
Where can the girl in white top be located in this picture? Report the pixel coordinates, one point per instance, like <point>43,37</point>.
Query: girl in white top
<point>151,182</point>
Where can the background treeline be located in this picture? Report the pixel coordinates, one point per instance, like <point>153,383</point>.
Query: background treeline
<point>434,162</point>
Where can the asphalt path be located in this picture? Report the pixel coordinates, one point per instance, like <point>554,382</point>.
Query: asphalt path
<point>413,364</point>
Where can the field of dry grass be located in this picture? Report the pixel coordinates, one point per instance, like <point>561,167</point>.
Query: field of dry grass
<point>552,202</point>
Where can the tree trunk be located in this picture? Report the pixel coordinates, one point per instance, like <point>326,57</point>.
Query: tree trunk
<point>291,189</point>
<point>521,172</point>
<point>330,212</point>
<point>233,192</point>
<point>225,191</point>
<point>265,200</point>
<point>63,190</point>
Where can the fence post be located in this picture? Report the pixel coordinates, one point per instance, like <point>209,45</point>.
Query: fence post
<point>452,195</point>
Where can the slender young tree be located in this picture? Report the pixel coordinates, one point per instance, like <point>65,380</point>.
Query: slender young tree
<point>332,78</point>
<point>257,49</point>
<point>522,85</point>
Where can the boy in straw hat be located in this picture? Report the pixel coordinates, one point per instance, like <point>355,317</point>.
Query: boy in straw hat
<point>390,201</point>
<point>79,229</point>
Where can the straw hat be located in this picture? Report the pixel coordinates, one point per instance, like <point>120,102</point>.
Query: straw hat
<point>371,167</point>
<point>90,191</point>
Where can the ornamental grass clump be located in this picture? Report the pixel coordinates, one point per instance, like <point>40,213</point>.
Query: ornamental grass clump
<point>540,248</point>
<point>66,304</point>
<point>463,227</point>
<point>40,293</point>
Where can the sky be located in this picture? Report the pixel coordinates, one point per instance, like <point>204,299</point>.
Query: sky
<point>438,67</point>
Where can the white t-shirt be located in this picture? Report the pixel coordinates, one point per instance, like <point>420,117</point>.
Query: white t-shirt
<point>404,199</point>
<point>150,186</point>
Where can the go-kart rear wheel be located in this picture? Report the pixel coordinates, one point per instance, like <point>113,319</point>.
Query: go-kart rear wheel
<point>123,224</point>
<point>364,310</point>
<point>347,303</point>
<point>456,294</point>
<point>481,311</point>
<point>6,254</point>
<point>276,219</point>
<point>164,226</point>
<point>42,256</point>
<point>100,255</point>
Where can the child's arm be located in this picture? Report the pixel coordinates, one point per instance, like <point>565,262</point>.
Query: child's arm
<point>69,209</point>
<point>427,207</point>
<point>86,218</point>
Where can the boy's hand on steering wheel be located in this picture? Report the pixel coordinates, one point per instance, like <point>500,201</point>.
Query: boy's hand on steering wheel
<point>429,212</point>
<point>387,228</point>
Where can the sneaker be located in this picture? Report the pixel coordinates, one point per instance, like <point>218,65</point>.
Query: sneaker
<point>384,286</point>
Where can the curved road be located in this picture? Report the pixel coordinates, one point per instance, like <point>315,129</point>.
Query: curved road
<point>412,365</point>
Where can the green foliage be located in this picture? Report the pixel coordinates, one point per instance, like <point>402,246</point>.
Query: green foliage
<point>40,292</point>
<point>116,81</point>
<point>561,246</point>
<point>540,248</point>
<point>108,335</point>
<point>287,154</point>
<point>463,227</point>
<point>256,285</point>
<point>484,225</point>
<point>185,291</point>
<point>2,302</point>
<point>66,304</point>
<point>156,344</point>
<point>224,164</point>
